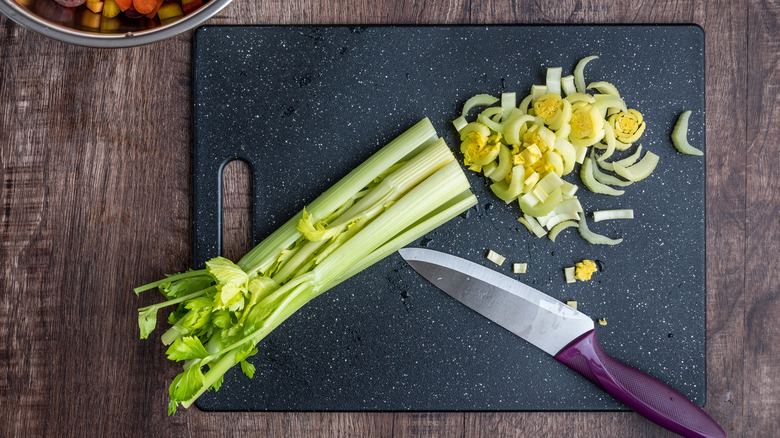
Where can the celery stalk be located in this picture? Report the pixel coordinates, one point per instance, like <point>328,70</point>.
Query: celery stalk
<point>456,206</point>
<point>432,193</point>
<point>405,190</point>
<point>262,256</point>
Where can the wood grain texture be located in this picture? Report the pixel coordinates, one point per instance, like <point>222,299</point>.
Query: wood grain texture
<point>726,82</point>
<point>762,241</point>
<point>429,424</point>
<point>237,205</point>
<point>96,195</point>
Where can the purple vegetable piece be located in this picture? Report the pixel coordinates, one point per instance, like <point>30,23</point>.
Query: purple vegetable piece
<point>71,3</point>
<point>54,11</point>
<point>132,13</point>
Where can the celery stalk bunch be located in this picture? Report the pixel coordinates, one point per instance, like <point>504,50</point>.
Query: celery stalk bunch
<point>221,312</point>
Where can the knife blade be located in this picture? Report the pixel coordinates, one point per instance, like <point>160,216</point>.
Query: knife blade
<point>563,332</point>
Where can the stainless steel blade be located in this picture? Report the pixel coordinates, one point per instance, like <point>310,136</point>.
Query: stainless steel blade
<point>534,316</point>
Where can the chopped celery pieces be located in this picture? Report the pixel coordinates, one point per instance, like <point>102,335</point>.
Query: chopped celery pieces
<point>527,149</point>
<point>402,192</point>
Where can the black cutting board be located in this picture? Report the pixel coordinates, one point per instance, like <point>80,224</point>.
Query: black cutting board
<point>304,105</point>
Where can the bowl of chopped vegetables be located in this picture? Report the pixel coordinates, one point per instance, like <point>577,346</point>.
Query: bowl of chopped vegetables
<point>110,23</point>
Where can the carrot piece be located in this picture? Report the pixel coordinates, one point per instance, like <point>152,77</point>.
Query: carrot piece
<point>94,6</point>
<point>157,5</point>
<point>124,4</point>
<point>144,6</point>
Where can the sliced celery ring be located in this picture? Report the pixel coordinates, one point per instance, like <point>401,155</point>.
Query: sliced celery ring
<point>680,136</point>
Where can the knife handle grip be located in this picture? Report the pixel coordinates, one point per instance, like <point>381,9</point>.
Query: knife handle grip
<point>642,393</point>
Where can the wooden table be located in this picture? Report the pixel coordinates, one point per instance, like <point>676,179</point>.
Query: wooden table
<point>96,198</point>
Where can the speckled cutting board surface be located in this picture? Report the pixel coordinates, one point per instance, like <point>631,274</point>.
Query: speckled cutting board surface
<point>304,105</point>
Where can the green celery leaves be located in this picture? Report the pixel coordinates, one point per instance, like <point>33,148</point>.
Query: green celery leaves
<point>226,272</point>
<point>147,320</point>
<point>185,386</point>
<point>247,368</point>
<point>186,348</point>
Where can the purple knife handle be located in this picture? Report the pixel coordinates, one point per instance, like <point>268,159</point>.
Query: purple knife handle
<point>646,395</point>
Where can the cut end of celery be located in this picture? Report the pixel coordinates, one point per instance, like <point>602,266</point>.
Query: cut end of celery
<point>495,257</point>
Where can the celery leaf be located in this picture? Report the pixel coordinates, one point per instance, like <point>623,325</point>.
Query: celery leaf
<point>229,296</point>
<point>204,303</point>
<point>186,384</point>
<point>246,350</point>
<point>218,384</point>
<point>147,320</point>
<point>315,232</point>
<point>195,319</point>
<point>226,272</point>
<point>248,368</point>
<point>176,315</point>
<point>221,319</point>
<point>186,348</point>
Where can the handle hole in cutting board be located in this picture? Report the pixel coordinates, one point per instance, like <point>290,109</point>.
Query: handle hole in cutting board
<point>236,209</point>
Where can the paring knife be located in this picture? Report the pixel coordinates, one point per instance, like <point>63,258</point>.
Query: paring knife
<point>563,332</point>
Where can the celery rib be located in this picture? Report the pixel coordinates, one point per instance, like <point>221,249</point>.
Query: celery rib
<point>169,279</point>
<point>263,255</point>
<point>408,188</point>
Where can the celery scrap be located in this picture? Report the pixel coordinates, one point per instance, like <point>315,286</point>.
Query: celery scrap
<point>504,164</point>
<point>560,227</point>
<point>495,257</point>
<point>595,238</point>
<point>568,273</point>
<point>603,215</point>
<point>478,100</point>
<point>680,136</point>
<point>604,88</point>
<point>567,84</point>
<point>607,179</point>
<point>640,170</point>
<point>604,101</point>
<point>586,174</point>
<point>604,178</point>
<point>508,102</point>
<point>609,138</point>
<point>629,160</point>
<point>459,123</point>
<point>579,75</point>
<point>554,80</point>
<point>220,313</point>
<point>532,225</point>
<point>509,191</point>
